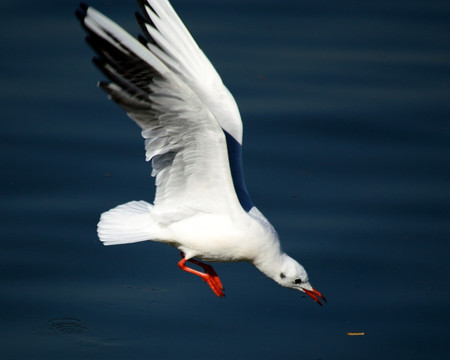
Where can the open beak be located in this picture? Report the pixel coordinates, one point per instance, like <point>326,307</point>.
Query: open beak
<point>315,295</point>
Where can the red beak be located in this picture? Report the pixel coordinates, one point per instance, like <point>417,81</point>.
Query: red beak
<point>315,295</point>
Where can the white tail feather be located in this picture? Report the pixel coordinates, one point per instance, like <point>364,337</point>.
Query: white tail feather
<point>128,223</point>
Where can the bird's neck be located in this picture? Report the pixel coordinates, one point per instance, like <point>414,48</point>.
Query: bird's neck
<point>269,262</point>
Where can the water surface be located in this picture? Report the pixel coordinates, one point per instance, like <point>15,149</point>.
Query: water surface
<point>346,151</point>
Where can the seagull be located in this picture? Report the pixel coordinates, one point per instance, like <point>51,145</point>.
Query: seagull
<point>193,138</point>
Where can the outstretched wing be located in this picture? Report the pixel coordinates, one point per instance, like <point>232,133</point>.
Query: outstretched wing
<point>183,137</point>
<point>171,42</point>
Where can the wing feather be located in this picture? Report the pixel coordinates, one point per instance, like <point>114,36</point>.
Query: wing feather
<point>183,138</point>
<point>172,43</point>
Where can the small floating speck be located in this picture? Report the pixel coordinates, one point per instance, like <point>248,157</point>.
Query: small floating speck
<point>355,333</point>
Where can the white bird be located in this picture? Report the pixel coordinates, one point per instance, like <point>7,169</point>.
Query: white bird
<point>193,138</point>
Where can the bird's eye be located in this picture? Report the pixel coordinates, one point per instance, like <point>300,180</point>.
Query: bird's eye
<point>297,281</point>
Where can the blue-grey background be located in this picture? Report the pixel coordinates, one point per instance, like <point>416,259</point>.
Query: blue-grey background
<point>346,112</point>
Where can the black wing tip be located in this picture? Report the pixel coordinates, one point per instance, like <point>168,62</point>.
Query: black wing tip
<point>143,21</point>
<point>104,85</point>
<point>81,11</point>
<point>83,6</point>
<point>140,19</point>
<point>142,4</point>
<point>142,39</point>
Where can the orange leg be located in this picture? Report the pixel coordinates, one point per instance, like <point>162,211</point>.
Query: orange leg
<point>209,276</point>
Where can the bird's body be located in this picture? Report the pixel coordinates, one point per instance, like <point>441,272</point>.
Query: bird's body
<point>193,138</point>
<point>207,236</point>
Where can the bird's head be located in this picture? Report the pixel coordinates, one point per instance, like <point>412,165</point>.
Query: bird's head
<point>293,275</point>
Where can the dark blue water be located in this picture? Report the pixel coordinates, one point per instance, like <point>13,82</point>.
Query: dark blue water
<point>346,108</point>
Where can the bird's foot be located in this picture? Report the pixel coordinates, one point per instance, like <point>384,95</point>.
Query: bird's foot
<point>209,276</point>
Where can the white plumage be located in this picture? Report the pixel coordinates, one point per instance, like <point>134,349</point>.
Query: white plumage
<point>193,137</point>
